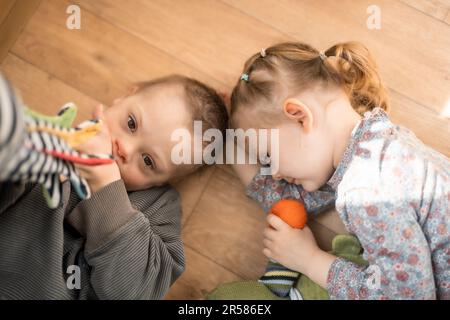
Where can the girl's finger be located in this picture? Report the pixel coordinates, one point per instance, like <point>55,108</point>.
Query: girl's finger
<point>267,253</point>
<point>267,243</point>
<point>269,233</point>
<point>276,222</point>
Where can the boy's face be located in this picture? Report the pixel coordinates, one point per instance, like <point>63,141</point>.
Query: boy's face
<point>141,126</point>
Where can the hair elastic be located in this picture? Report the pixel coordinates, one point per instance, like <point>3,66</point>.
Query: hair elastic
<point>244,77</point>
<point>322,55</point>
<point>263,52</point>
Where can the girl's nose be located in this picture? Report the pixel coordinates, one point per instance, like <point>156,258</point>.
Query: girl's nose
<point>277,176</point>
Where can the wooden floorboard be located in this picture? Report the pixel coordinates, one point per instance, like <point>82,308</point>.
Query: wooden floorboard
<point>122,42</point>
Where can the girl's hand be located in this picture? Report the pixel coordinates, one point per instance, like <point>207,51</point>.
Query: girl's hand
<point>100,175</point>
<point>293,248</point>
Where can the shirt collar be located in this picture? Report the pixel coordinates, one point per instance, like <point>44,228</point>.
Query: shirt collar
<point>370,117</point>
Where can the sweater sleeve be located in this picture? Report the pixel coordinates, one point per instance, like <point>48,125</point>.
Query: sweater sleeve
<point>266,190</point>
<point>12,131</point>
<point>10,193</point>
<point>132,254</point>
<point>395,246</point>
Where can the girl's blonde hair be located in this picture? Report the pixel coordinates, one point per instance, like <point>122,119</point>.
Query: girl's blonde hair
<point>289,68</point>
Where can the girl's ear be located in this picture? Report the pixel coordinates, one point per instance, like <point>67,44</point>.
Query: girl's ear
<point>296,110</point>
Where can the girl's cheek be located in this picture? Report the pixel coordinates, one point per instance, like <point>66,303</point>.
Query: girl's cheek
<point>288,160</point>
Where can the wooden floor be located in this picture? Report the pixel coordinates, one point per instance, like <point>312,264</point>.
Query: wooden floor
<point>121,42</point>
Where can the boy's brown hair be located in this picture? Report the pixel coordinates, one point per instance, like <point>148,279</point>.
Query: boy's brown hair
<point>204,102</point>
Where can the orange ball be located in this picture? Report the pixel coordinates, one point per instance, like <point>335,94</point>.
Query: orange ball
<point>290,211</point>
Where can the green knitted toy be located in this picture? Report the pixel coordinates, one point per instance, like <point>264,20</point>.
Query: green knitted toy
<point>344,246</point>
<point>64,119</point>
<point>36,148</point>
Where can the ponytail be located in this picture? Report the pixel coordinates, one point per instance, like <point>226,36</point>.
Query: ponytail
<point>294,66</point>
<point>357,71</point>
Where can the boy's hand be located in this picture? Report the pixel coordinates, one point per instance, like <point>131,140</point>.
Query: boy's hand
<point>100,175</point>
<point>293,248</point>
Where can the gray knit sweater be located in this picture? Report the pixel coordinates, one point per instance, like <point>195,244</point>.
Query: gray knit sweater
<point>124,245</point>
<point>115,245</point>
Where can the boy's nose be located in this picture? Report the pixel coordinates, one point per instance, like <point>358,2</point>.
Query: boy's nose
<point>121,151</point>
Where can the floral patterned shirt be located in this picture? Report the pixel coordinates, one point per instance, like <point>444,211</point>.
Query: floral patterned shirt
<point>393,193</point>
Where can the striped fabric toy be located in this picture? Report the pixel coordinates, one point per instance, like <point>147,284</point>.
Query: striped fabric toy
<point>281,281</point>
<point>38,148</point>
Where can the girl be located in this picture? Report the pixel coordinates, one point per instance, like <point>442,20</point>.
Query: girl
<point>124,241</point>
<point>335,139</point>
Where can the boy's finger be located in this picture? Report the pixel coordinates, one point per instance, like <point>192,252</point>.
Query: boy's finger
<point>98,111</point>
<point>82,169</point>
<point>82,172</point>
<point>276,222</point>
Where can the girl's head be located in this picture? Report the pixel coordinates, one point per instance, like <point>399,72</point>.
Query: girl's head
<point>141,125</point>
<point>313,98</point>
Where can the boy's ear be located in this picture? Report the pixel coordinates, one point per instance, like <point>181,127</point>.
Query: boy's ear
<point>296,110</point>
<point>117,100</point>
<point>132,90</point>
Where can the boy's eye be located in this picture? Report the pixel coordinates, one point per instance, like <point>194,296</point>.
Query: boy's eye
<point>131,123</point>
<point>148,161</point>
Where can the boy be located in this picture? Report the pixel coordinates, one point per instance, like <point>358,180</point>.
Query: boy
<point>125,239</point>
